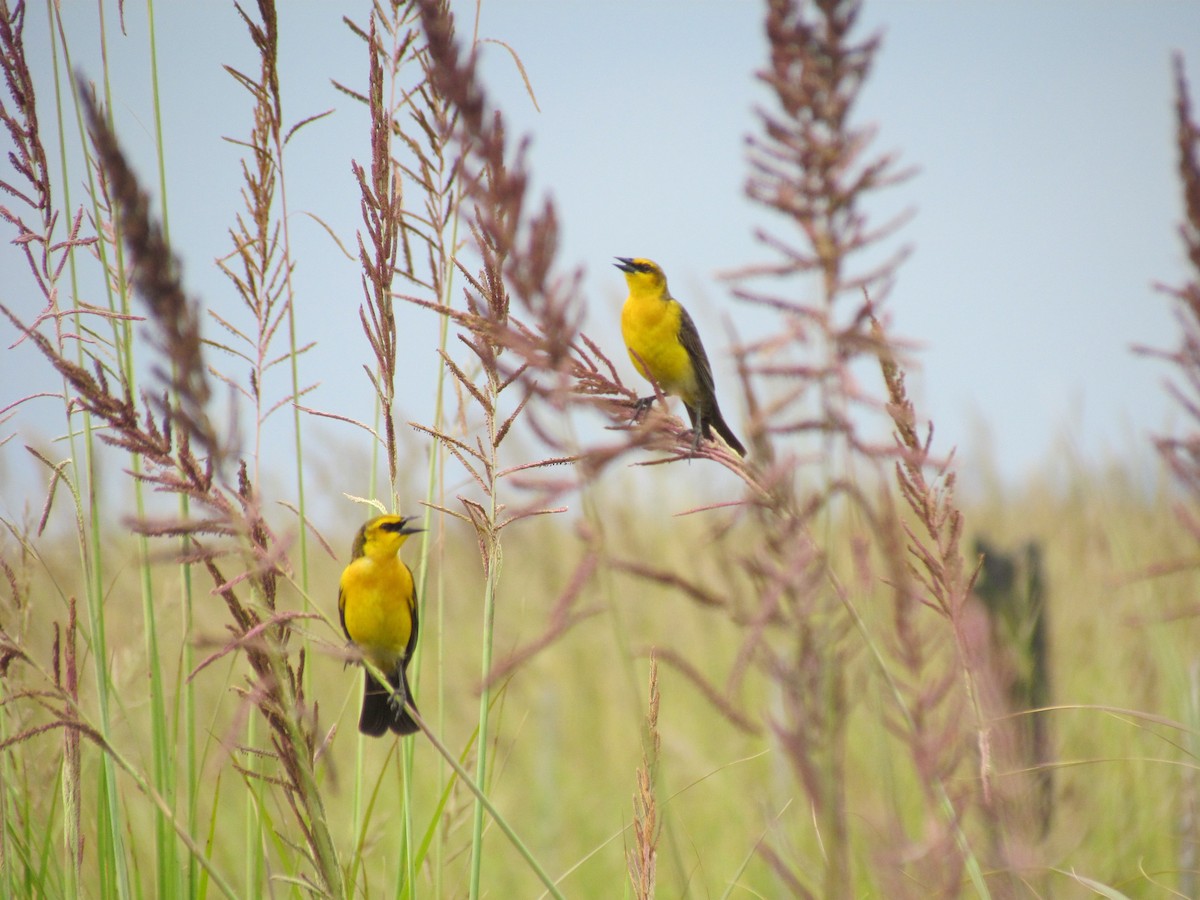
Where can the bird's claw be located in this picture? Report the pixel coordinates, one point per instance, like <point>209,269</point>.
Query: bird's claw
<point>640,408</point>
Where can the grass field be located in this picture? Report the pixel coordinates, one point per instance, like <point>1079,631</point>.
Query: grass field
<point>799,678</point>
<point>568,733</point>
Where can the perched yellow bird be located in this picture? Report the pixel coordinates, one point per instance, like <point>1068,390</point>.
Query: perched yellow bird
<point>377,602</point>
<point>665,348</point>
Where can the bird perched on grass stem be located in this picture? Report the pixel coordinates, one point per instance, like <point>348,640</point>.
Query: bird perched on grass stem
<point>665,348</point>
<point>377,602</point>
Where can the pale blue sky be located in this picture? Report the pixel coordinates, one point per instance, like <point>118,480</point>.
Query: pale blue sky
<point>1046,200</point>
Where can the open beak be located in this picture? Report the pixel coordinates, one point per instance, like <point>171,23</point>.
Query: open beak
<point>402,527</point>
<point>625,264</point>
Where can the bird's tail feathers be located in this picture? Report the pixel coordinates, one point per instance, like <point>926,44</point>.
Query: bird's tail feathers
<point>381,710</point>
<point>718,422</point>
<point>714,420</point>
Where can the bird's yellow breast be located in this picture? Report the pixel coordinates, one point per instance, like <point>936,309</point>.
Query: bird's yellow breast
<point>650,325</point>
<point>377,598</point>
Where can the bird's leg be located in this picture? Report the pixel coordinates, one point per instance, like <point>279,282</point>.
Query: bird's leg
<point>397,700</point>
<point>396,696</point>
<point>698,428</point>
<point>639,408</point>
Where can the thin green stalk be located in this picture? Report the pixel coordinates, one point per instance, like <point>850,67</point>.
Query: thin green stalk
<point>167,869</point>
<point>10,820</point>
<point>483,802</point>
<point>110,830</point>
<point>489,621</point>
<point>293,360</point>
<point>293,363</point>
<point>253,825</point>
<point>485,696</point>
<point>191,770</point>
<point>359,768</point>
<point>434,490</point>
<point>71,811</point>
<point>166,863</point>
<point>161,734</point>
<point>294,367</point>
<point>164,736</point>
<point>357,810</point>
<point>356,807</point>
<point>406,886</point>
<point>106,851</point>
<point>481,759</point>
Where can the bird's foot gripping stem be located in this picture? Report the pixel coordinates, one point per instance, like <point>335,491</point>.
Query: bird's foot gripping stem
<point>397,701</point>
<point>640,408</point>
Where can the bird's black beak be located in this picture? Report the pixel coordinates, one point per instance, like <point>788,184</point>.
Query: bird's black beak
<point>402,527</point>
<point>625,264</point>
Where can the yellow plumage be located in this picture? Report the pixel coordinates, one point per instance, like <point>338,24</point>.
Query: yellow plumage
<point>651,331</point>
<point>665,348</point>
<point>377,603</point>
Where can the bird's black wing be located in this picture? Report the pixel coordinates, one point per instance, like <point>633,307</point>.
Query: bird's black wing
<point>690,338</point>
<point>412,636</point>
<point>707,415</point>
<point>342,613</point>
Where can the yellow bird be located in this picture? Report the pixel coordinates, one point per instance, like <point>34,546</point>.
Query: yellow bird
<point>377,602</point>
<point>665,348</point>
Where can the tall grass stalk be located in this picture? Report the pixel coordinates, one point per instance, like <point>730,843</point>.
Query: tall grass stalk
<point>435,488</point>
<point>183,710</point>
<point>492,575</point>
<point>110,829</point>
<point>259,266</point>
<point>13,57</point>
<point>496,185</point>
<point>496,816</point>
<point>162,738</point>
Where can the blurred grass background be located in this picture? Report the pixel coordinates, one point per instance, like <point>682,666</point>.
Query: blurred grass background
<point>569,736</point>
